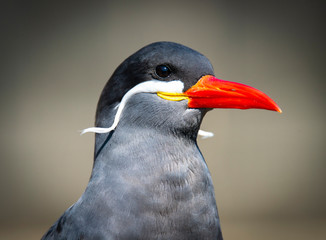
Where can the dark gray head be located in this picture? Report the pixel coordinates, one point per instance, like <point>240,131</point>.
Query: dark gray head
<point>162,61</point>
<point>153,70</point>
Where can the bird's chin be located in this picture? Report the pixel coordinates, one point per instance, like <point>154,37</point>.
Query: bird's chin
<point>192,117</point>
<point>200,111</point>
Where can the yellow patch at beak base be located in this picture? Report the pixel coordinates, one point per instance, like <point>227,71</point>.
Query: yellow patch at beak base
<point>172,96</point>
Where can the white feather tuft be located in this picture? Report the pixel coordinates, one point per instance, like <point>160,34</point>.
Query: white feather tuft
<point>96,130</point>
<point>205,134</point>
<point>152,86</point>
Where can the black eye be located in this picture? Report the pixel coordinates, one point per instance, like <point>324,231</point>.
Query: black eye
<point>163,71</point>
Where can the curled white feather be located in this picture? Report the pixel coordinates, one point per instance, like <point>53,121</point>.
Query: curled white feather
<point>152,86</point>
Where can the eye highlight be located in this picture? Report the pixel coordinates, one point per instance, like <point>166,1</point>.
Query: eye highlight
<point>163,71</point>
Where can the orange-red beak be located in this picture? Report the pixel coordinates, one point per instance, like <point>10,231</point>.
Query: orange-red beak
<point>210,92</point>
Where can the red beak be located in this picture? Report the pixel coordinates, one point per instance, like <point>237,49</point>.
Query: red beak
<point>210,92</point>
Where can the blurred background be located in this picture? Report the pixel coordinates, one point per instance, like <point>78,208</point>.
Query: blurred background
<point>268,168</point>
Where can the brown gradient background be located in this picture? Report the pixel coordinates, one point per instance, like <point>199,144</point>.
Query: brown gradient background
<point>268,168</point>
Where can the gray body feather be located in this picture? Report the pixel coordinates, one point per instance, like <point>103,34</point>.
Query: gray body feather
<point>149,179</point>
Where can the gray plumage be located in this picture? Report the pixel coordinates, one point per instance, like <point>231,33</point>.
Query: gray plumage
<point>149,179</point>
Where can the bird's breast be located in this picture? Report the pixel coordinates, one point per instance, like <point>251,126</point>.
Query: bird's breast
<point>176,197</point>
<point>166,193</point>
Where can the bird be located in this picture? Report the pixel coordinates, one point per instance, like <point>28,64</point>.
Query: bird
<point>149,178</point>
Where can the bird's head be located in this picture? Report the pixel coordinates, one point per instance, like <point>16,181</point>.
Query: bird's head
<point>167,83</point>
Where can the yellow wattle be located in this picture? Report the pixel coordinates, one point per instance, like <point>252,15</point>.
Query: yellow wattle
<point>172,96</point>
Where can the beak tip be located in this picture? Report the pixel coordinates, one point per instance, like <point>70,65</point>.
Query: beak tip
<point>276,107</point>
